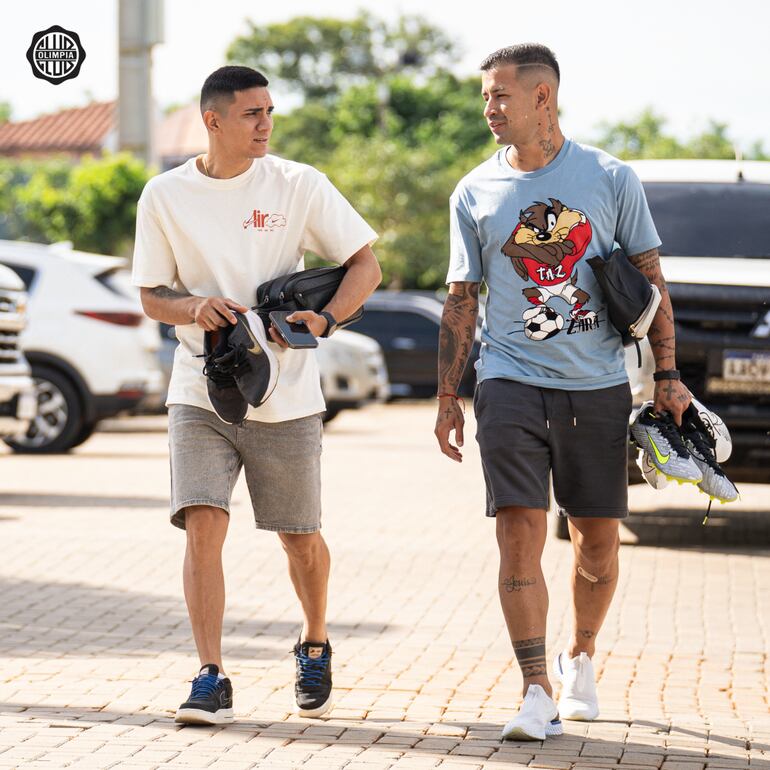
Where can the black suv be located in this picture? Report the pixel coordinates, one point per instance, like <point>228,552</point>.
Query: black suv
<point>406,324</point>
<point>713,218</point>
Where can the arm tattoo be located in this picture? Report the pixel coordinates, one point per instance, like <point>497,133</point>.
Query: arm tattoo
<point>457,334</point>
<point>163,292</point>
<point>661,334</point>
<point>531,656</point>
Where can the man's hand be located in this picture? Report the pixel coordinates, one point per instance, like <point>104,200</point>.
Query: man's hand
<point>211,313</point>
<point>315,323</point>
<point>450,418</point>
<point>672,396</point>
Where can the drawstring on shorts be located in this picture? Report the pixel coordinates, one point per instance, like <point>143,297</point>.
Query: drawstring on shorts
<point>545,409</point>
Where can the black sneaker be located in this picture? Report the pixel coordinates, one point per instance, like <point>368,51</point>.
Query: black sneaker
<point>313,687</point>
<point>256,368</point>
<point>210,701</point>
<point>227,400</point>
<point>240,367</point>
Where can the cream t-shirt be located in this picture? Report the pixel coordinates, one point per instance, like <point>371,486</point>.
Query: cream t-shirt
<point>224,237</point>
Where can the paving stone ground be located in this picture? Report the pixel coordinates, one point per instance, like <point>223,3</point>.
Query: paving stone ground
<point>96,651</point>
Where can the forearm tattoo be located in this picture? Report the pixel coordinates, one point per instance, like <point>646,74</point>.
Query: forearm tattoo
<point>456,336</point>
<point>163,292</point>
<point>531,656</point>
<point>661,333</point>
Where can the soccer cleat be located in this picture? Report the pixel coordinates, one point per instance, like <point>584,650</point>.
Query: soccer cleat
<point>538,717</point>
<point>712,424</point>
<point>659,437</point>
<point>240,367</point>
<point>313,684</point>
<point>701,446</point>
<point>578,699</point>
<point>650,473</point>
<point>255,365</point>
<point>210,701</point>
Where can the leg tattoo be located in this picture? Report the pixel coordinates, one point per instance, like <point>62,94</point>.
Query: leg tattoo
<point>531,656</point>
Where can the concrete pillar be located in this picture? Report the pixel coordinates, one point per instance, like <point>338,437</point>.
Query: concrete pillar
<point>140,26</point>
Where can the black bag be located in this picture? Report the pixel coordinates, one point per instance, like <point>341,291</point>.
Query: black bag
<point>305,290</point>
<point>631,299</point>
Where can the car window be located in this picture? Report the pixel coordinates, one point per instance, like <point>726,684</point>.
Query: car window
<point>118,281</point>
<point>27,274</point>
<point>373,323</point>
<point>711,220</point>
<point>387,324</point>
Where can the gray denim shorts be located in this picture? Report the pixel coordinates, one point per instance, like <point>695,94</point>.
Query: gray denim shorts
<point>282,462</point>
<point>580,437</point>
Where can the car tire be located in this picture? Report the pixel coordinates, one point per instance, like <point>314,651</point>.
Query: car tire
<point>60,415</point>
<point>86,431</point>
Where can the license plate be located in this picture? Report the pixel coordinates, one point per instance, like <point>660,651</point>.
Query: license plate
<point>746,366</point>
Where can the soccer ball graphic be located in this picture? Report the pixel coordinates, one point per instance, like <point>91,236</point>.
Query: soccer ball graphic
<point>542,322</point>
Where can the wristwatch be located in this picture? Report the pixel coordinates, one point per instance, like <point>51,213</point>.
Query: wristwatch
<point>331,323</point>
<point>666,374</point>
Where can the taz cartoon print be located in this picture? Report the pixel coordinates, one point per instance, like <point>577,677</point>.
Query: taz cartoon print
<point>548,242</point>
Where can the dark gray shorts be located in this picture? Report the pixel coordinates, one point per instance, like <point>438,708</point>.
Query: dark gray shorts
<point>580,436</point>
<point>282,462</point>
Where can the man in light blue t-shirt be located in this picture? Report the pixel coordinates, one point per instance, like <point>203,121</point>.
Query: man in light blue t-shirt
<point>553,394</point>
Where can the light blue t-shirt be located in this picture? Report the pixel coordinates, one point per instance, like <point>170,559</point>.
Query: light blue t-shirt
<point>528,236</point>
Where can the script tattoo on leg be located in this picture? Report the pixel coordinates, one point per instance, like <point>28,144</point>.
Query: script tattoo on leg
<point>530,653</point>
<point>513,583</point>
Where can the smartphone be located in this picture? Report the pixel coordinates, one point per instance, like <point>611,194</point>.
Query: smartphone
<point>296,334</point>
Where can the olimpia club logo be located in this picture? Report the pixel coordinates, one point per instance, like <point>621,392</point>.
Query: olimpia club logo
<point>56,55</point>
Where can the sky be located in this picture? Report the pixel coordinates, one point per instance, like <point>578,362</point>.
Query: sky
<point>690,60</point>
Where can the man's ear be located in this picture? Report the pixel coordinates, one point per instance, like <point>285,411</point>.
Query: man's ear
<point>543,93</point>
<point>211,120</point>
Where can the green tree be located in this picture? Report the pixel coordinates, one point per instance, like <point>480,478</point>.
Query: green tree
<point>92,204</point>
<point>5,112</point>
<point>639,138</point>
<point>403,193</point>
<point>321,57</point>
<point>645,137</point>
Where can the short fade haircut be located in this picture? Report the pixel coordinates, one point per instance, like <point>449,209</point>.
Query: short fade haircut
<point>523,55</point>
<point>222,84</point>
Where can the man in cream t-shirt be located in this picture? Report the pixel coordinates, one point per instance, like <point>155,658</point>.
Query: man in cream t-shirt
<point>208,233</point>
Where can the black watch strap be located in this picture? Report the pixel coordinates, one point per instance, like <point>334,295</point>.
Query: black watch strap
<point>666,374</point>
<point>331,323</point>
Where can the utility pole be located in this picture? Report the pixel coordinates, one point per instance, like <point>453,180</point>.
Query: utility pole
<point>140,27</point>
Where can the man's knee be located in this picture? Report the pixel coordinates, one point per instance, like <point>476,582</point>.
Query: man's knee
<point>206,527</point>
<point>303,549</point>
<point>520,530</point>
<point>597,545</point>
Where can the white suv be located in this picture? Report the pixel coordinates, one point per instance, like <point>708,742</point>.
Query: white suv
<point>17,397</point>
<point>92,350</point>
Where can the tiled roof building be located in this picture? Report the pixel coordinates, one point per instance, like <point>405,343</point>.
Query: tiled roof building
<point>91,129</point>
<point>73,132</point>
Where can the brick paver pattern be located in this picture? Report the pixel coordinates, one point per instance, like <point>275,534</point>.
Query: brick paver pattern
<point>97,651</point>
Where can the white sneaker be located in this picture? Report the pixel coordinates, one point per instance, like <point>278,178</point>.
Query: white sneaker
<point>578,698</point>
<point>537,718</point>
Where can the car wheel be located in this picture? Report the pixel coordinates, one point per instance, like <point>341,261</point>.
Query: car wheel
<point>86,431</point>
<point>59,417</point>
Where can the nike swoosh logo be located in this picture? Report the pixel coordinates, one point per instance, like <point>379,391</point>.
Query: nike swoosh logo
<point>257,348</point>
<point>662,459</point>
